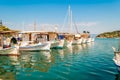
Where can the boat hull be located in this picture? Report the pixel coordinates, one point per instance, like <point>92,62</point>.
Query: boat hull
<point>57,44</point>
<point>93,40</point>
<point>9,51</point>
<point>84,41</point>
<point>68,43</point>
<point>89,40</point>
<point>79,41</point>
<point>116,59</point>
<point>36,47</point>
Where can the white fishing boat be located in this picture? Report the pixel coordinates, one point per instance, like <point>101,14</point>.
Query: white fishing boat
<point>84,40</point>
<point>86,37</point>
<point>61,43</point>
<point>68,39</point>
<point>9,51</point>
<point>56,40</point>
<point>116,58</point>
<point>34,40</point>
<point>77,39</point>
<point>35,47</point>
<point>93,40</point>
<point>6,45</point>
<point>68,35</point>
<point>57,44</point>
<point>89,40</point>
<point>68,43</point>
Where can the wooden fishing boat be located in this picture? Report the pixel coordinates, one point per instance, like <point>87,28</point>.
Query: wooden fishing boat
<point>6,47</point>
<point>56,40</point>
<point>77,39</point>
<point>57,44</point>
<point>68,39</point>
<point>34,40</point>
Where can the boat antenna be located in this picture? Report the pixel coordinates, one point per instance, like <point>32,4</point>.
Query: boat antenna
<point>119,45</point>
<point>23,26</point>
<point>0,22</point>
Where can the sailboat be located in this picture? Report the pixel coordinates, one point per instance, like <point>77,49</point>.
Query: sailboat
<point>68,35</point>
<point>77,37</point>
<point>116,58</point>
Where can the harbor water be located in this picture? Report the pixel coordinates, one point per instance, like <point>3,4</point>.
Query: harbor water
<point>91,61</point>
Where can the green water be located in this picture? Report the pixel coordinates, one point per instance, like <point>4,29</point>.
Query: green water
<point>91,61</point>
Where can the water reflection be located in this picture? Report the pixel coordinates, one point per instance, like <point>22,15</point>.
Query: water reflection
<point>8,67</point>
<point>117,76</point>
<point>30,63</point>
<point>58,55</point>
<point>76,48</point>
<point>90,44</point>
<point>36,61</point>
<point>68,50</point>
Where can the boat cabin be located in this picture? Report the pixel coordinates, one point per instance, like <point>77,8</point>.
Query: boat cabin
<point>68,36</point>
<point>77,36</point>
<point>85,35</point>
<point>52,36</point>
<point>5,38</point>
<point>33,36</point>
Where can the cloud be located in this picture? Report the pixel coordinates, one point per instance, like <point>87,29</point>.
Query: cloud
<point>7,23</point>
<point>50,25</point>
<point>87,24</point>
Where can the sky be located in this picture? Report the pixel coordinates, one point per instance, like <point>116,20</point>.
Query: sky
<point>95,16</point>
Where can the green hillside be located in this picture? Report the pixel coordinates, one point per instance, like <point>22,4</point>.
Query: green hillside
<point>114,34</point>
<point>4,28</point>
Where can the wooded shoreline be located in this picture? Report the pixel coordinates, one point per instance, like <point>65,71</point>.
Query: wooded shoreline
<point>113,34</point>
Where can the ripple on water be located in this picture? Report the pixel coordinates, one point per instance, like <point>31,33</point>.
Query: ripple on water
<point>82,62</point>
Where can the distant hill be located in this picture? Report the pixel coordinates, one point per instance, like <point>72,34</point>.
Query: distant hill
<point>114,34</point>
<point>4,28</point>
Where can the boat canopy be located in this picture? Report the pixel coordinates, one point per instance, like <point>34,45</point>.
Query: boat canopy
<point>60,36</point>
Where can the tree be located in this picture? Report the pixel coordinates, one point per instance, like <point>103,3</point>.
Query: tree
<point>84,31</point>
<point>4,28</point>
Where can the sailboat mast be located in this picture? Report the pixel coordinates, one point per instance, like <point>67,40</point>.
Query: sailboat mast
<point>70,19</point>
<point>71,22</point>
